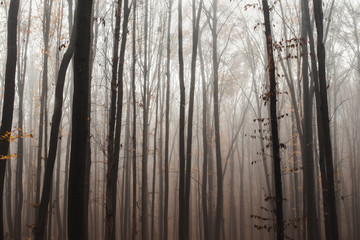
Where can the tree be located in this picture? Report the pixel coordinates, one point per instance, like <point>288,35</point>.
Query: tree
<point>133,86</point>
<point>144,159</point>
<point>182,221</point>
<point>113,164</point>
<point>9,95</point>
<point>39,230</point>
<point>44,96</point>
<point>331,226</point>
<point>76,221</point>
<point>195,31</point>
<point>167,125</point>
<point>274,125</point>
<point>20,149</point>
<point>306,141</point>
<point>219,174</point>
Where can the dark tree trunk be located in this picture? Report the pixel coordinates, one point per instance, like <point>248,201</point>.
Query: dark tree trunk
<point>8,103</point>
<point>182,222</point>
<point>312,226</point>
<point>133,75</point>
<point>274,125</point>
<point>205,147</point>
<point>43,108</point>
<point>195,31</point>
<point>152,235</point>
<point>113,161</point>
<point>144,159</point>
<point>331,224</point>
<point>57,191</point>
<point>110,215</point>
<point>54,136</point>
<point>125,218</point>
<point>76,221</point>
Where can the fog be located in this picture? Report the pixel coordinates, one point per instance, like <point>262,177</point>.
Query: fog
<point>167,119</point>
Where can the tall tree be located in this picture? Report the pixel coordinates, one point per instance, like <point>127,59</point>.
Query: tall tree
<point>195,37</point>
<point>272,96</point>
<point>110,214</point>
<point>54,136</point>
<point>219,174</point>
<point>205,145</point>
<point>313,231</point>
<point>76,210</point>
<point>20,148</point>
<point>144,187</point>
<point>112,174</point>
<point>167,126</point>
<point>133,86</point>
<point>182,220</point>
<point>331,225</point>
<point>8,102</point>
<point>42,140</point>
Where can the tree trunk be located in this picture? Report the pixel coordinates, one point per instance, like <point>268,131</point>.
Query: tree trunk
<point>113,161</point>
<point>54,136</point>
<point>57,191</point>
<point>274,125</point>
<point>144,159</point>
<point>196,22</point>
<point>312,226</point>
<point>9,200</point>
<point>20,148</point>
<point>331,225</point>
<point>76,221</point>
<point>182,221</point>
<point>110,214</point>
<point>206,140</point>
<point>167,126</point>
<point>219,196</point>
<point>133,75</point>
<point>8,103</point>
<point>43,108</point>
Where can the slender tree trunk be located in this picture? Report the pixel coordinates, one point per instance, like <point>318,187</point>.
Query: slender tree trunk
<point>219,198</point>
<point>9,200</point>
<point>233,215</point>
<point>144,159</point>
<point>182,221</point>
<point>196,21</point>
<point>313,228</point>
<point>57,190</point>
<point>154,163</point>
<point>113,162</point>
<point>331,224</point>
<point>8,102</point>
<point>274,125</point>
<point>133,75</point>
<point>125,219</point>
<point>110,214</point>
<point>54,136</point>
<point>20,149</point>
<point>155,143</point>
<point>205,147</point>
<point>43,108</point>
<point>167,127</point>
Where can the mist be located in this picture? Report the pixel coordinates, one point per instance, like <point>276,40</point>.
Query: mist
<point>180,120</point>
